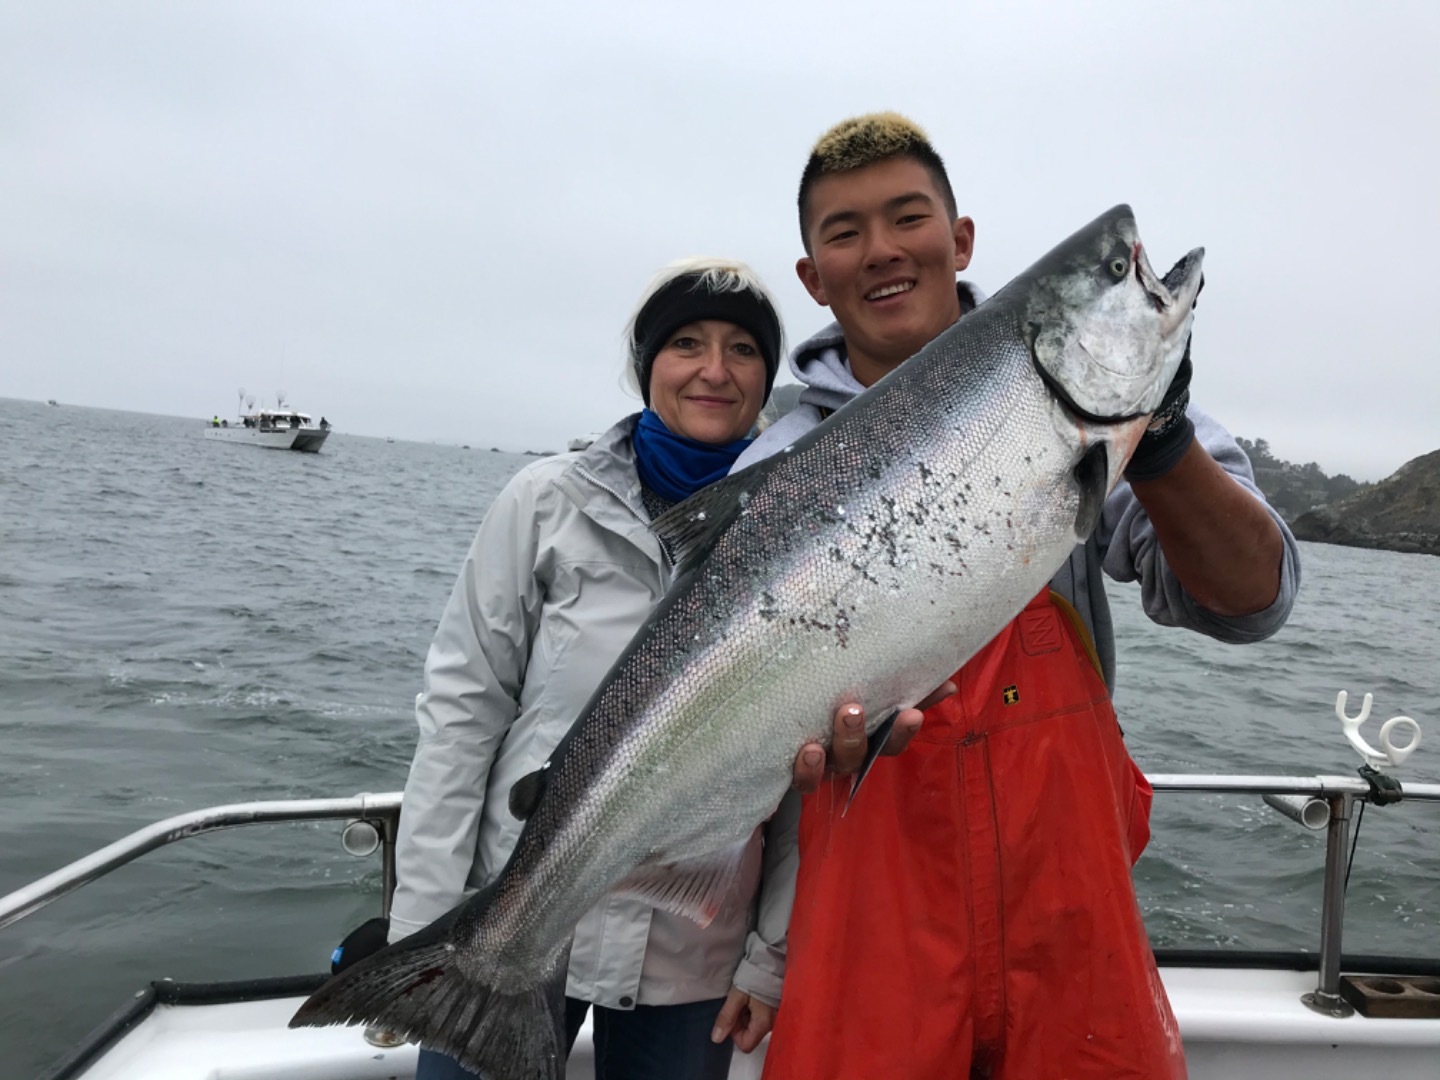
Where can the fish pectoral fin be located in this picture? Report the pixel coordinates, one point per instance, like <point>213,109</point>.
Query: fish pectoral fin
<point>878,738</point>
<point>525,795</point>
<point>688,528</point>
<point>693,888</point>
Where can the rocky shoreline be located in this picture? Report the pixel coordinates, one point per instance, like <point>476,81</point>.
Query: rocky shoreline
<point>1400,513</point>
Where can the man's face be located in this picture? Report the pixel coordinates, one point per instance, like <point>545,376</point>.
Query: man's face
<point>884,254</point>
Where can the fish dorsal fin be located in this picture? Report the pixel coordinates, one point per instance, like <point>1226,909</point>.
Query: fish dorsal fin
<point>693,888</point>
<point>525,795</point>
<point>689,528</point>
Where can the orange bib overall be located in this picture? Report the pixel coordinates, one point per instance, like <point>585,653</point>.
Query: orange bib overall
<point>973,914</point>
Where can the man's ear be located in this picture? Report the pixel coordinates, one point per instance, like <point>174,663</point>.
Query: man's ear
<point>810,278</point>
<point>964,242</point>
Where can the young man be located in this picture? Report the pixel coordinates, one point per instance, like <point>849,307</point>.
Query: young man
<point>973,915</point>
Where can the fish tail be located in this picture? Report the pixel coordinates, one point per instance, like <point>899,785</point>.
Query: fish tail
<point>415,989</point>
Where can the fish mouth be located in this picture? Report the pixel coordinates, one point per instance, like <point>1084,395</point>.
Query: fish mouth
<point>1174,294</point>
<point>1173,298</point>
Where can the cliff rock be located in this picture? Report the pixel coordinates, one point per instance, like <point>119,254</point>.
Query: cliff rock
<point>1400,513</point>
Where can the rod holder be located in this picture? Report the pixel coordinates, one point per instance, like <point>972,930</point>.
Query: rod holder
<point>1305,810</point>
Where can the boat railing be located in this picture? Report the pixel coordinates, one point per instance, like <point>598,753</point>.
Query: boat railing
<point>371,823</point>
<point>1316,802</point>
<point>1301,797</point>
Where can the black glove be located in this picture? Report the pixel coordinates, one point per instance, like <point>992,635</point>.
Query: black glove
<point>1170,432</point>
<point>368,937</point>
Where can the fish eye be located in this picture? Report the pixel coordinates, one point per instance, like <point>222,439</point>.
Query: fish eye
<point>1119,266</point>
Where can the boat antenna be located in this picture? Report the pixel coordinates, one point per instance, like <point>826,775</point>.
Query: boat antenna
<point>279,399</point>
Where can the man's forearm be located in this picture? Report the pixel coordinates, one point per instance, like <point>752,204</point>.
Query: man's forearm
<point>1218,539</point>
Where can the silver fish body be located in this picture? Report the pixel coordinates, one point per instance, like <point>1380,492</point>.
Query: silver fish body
<point>865,563</point>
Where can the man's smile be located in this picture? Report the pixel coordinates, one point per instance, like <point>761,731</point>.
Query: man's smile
<point>892,289</point>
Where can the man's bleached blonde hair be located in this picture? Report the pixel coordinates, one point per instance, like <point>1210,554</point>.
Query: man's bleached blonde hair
<point>864,140</point>
<point>714,275</point>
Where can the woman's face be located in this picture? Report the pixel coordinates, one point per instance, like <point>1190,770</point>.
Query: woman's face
<point>708,382</point>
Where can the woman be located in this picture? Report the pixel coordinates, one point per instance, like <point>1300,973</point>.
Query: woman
<point>562,573</point>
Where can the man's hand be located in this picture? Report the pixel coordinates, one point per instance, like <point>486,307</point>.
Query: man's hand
<point>747,1018</point>
<point>848,746</point>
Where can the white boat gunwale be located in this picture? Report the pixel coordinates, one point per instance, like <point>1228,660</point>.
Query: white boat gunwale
<point>1328,1015</point>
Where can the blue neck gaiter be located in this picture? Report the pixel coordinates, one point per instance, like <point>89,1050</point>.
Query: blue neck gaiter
<point>674,466</point>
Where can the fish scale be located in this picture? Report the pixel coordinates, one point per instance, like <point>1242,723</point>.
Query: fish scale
<point>864,564</point>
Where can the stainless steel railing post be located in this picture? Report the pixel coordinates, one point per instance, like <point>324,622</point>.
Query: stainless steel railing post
<point>1325,998</point>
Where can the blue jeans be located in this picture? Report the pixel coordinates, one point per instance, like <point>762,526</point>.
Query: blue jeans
<point>652,1042</point>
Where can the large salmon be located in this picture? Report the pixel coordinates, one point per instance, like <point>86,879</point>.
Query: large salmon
<point>864,563</point>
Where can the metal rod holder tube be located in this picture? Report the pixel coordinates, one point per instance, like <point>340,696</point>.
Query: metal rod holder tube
<point>1306,810</point>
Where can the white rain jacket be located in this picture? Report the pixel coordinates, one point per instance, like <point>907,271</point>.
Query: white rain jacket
<point>563,571</point>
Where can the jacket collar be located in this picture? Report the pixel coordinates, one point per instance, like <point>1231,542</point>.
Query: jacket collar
<point>603,483</point>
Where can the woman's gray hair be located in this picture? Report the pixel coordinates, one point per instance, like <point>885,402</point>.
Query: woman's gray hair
<point>717,276</point>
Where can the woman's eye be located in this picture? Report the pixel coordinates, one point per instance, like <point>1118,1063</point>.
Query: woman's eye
<point>745,349</point>
<point>684,343</point>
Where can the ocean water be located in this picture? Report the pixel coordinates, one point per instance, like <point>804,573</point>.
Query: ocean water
<point>186,623</point>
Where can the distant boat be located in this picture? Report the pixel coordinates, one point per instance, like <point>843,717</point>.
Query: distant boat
<point>52,401</point>
<point>273,429</point>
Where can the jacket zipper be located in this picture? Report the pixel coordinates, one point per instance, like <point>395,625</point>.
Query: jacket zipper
<point>641,518</point>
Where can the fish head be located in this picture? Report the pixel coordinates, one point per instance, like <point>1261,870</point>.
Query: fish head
<point>1106,333</point>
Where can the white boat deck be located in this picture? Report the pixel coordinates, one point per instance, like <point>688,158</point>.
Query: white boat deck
<point>1236,1023</point>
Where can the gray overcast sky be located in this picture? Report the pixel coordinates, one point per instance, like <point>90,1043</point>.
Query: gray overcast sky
<point>431,220</point>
